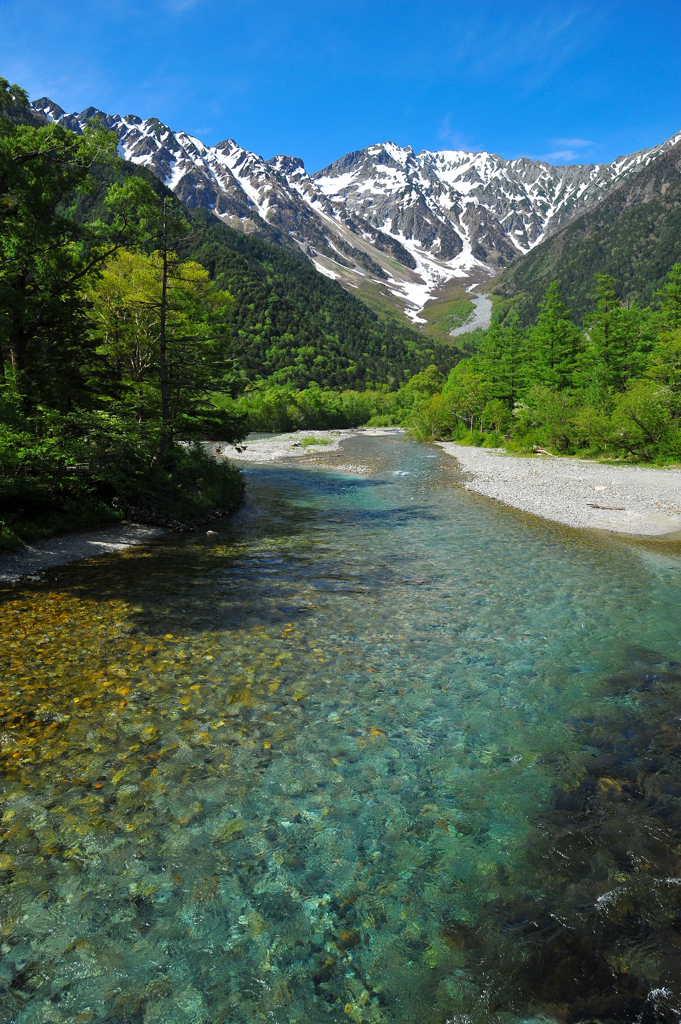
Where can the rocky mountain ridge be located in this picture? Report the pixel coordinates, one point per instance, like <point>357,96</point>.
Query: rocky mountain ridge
<point>398,227</point>
<point>633,234</point>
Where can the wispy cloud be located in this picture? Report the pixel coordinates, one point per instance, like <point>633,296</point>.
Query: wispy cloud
<point>569,151</point>
<point>568,155</point>
<point>454,138</point>
<point>573,143</point>
<point>538,46</point>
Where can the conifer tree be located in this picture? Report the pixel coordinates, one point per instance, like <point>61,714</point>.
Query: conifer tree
<point>669,297</point>
<point>554,342</point>
<point>501,359</point>
<point>619,339</point>
<point>664,366</point>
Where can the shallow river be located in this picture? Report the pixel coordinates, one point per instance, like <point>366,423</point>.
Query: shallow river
<point>386,751</point>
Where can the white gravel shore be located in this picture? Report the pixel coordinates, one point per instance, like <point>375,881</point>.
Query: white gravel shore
<point>35,558</point>
<point>280,446</point>
<point>622,499</point>
<point>277,447</point>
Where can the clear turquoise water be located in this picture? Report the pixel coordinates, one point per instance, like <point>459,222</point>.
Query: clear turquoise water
<point>386,751</point>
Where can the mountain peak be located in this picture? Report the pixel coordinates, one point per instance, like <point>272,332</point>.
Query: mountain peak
<point>286,164</point>
<point>45,106</point>
<point>383,219</point>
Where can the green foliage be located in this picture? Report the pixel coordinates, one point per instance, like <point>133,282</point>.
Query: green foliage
<point>554,343</point>
<point>102,353</point>
<point>613,388</point>
<point>289,324</point>
<point>502,359</point>
<point>642,422</point>
<point>46,256</point>
<point>306,442</point>
<point>467,391</point>
<point>62,471</point>
<point>545,418</point>
<point>12,95</point>
<point>497,415</point>
<point>619,339</point>
<point>273,408</point>
<point>292,325</point>
<point>384,420</point>
<point>423,385</point>
<point>669,301</point>
<point>128,307</point>
<point>431,419</point>
<point>664,366</point>
<point>276,408</point>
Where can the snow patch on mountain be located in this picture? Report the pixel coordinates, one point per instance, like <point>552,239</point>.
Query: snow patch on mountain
<point>406,222</point>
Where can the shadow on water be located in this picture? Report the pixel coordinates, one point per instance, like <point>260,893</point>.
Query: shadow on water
<point>596,936</point>
<point>252,547</point>
<point>381,752</point>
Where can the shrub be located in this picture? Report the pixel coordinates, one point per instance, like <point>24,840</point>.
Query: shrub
<point>431,420</point>
<point>307,441</point>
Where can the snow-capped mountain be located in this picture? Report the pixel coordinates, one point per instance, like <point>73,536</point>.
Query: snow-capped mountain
<point>384,220</point>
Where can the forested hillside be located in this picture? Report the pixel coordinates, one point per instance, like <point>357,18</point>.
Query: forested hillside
<point>634,235</point>
<point>288,321</point>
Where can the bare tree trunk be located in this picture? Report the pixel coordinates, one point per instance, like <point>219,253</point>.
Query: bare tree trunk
<point>18,340</point>
<point>164,439</point>
<point>18,354</point>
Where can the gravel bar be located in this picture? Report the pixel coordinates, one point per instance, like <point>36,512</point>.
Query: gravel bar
<point>636,500</point>
<point>276,447</point>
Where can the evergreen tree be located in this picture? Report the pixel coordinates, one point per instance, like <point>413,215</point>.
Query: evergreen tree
<point>619,339</point>
<point>501,359</point>
<point>669,299</point>
<point>553,343</point>
<point>664,365</point>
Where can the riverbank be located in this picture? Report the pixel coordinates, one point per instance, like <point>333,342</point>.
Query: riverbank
<point>35,558</point>
<point>636,500</point>
<point>40,555</point>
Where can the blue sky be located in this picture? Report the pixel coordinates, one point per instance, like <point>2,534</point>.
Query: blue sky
<point>569,82</point>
